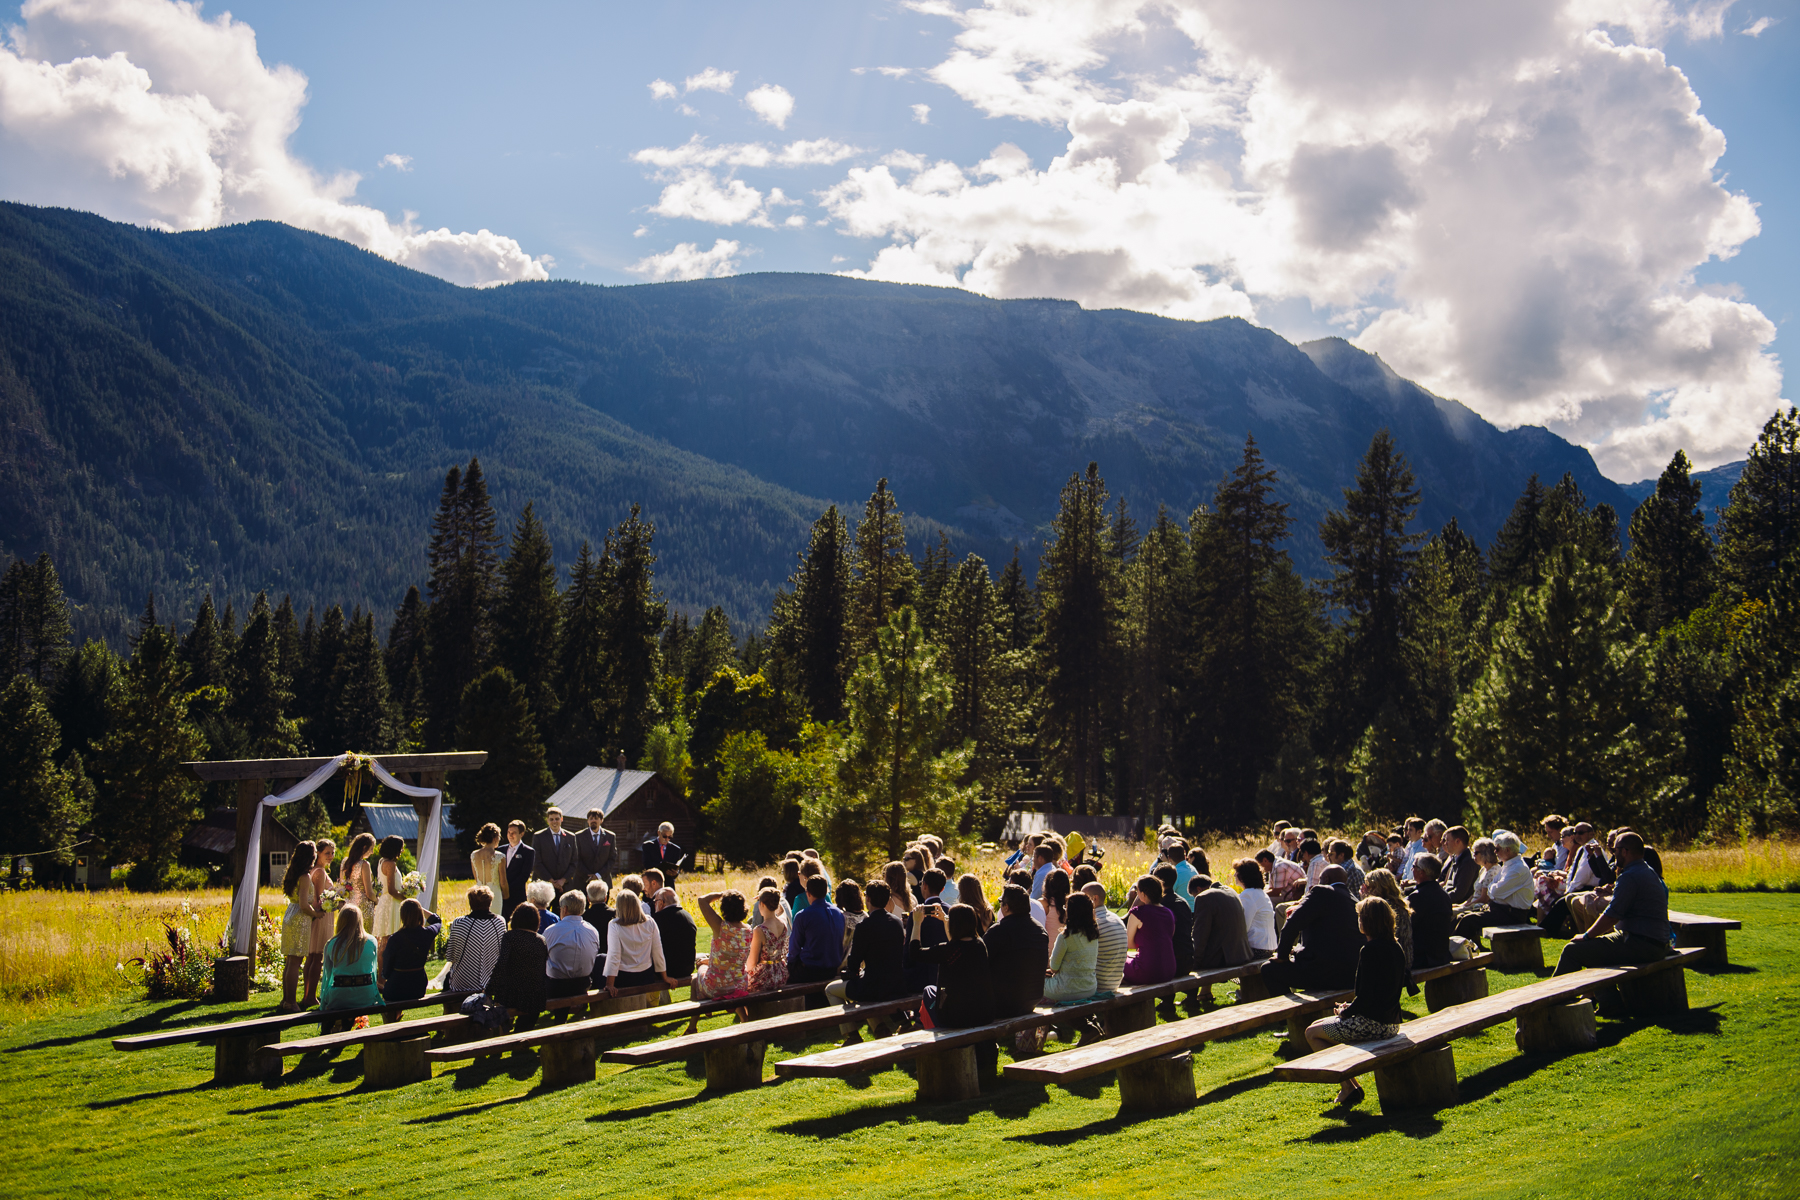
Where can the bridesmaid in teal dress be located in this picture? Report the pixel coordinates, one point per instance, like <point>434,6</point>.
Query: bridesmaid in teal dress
<point>349,981</point>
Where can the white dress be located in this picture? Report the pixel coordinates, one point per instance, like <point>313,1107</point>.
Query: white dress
<point>387,905</point>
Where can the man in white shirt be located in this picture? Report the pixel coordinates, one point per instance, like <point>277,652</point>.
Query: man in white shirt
<point>1109,967</point>
<point>574,944</point>
<point>1259,913</point>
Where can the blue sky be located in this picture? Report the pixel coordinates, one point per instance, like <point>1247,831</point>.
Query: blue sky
<point>1511,203</point>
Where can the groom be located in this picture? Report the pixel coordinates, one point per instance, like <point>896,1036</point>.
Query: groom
<point>554,851</point>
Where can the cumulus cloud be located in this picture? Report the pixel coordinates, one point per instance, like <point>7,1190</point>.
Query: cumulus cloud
<point>710,80</point>
<point>1507,202</point>
<point>662,89</point>
<point>772,103</point>
<point>688,261</point>
<point>1757,27</point>
<point>144,111</point>
<point>922,113</point>
<point>400,162</point>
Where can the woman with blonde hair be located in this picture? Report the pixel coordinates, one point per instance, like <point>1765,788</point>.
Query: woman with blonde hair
<point>297,922</point>
<point>1382,882</point>
<point>322,920</point>
<point>634,949</point>
<point>488,862</point>
<point>356,880</point>
<point>349,965</point>
<point>968,891</point>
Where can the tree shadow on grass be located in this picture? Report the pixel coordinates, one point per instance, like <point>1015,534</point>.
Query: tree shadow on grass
<point>121,1101</point>
<point>148,1023</point>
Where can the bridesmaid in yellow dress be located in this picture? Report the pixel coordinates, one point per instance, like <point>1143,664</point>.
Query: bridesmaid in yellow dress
<point>387,894</point>
<point>322,923</point>
<point>356,879</point>
<point>296,924</point>
<point>488,863</point>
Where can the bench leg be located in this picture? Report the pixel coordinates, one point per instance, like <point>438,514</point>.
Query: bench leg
<point>570,1060</point>
<point>949,1075</point>
<point>1252,987</point>
<point>1515,954</point>
<point>776,1008</point>
<point>243,1060</point>
<point>1709,938</point>
<point>1654,995</point>
<point>1557,1029</point>
<point>1158,1084</point>
<point>392,1063</point>
<point>1130,1018</point>
<point>1460,988</point>
<point>1425,1080</point>
<point>1297,1028</point>
<point>734,1068</point>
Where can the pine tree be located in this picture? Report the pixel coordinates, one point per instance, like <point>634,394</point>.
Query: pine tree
<point>526,614</point>
<point>580,668</point>
<point>1018,606</point>
<point>362,715</point>
<point>1762,789</point>
<point>1565,717</point>
<point>1669,571</point>
<point>82,699</point>
<point>405,662</point>
<point>815,636</point>
<point>1761,523</point>
<point>1153,630</point>
<point>34,791</point>
<point>1372,553</point>
<point>884,576</point>
<point>34,622</point>
<point>319,697</point>
<point>1078,585</point>
<point>463,556</point>
<point>711,649</point>
<point>206,654</point>
<point>259,695</point>
<point>202,650</point>
<point>1517,556</point>
<point>514,781</point>
<point>287,645</point>
<point>933,578</point>
<point>632,621</point>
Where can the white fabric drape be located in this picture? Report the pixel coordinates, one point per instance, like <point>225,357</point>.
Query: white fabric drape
<point>243,903</point>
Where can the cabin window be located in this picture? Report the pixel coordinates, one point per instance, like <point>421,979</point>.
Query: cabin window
<point>278,863</point>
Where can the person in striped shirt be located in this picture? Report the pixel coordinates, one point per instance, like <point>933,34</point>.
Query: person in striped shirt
<point>1109,967</point>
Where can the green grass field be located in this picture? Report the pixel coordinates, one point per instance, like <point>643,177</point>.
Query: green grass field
<point>1703,1106</point>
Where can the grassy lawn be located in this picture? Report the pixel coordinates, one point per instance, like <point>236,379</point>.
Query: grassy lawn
<point>1703,1106</point>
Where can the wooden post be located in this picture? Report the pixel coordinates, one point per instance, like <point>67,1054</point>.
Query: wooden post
<point>1663,992</point>
<point>949,1075</point>
<point>566,1061</point>
<point>1459,988</point>
<point>431,779</point>
<point>392,1063</point>
<point>1129,1018</point>
<point>734,1068</point>
<point>775,1008</point>
<point>242,1059</point>
<point>1709,937</point>
<point>1158,1084</point>
<point>1425,1080</point>
<point>231,979</point>
<point>1558,1028</point>
<point>1517,950</point>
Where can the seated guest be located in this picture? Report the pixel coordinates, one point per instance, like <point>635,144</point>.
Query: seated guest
<point>766,964</point>
<point>408,949</point>
<point>1070,976</point>
<point>1374,1014</point>
<point>968,891</point>
<point>913,859</point>
<point>1084,875</point>
<point>964,993</point>
<point>1340,852</point>
<point>816,943</point>
<point>1555,856</point>
<point>1055,901</point>
<point>875,967</point>
<point>1312,857</point>
<point>813,854</point>
<point>1460,869</point>
<point>519,981</point>
<point>762,885</point>
<point>634,884</point>
<point>1175,853</point>
<point>1018,955</point>
<point>1415,844</point>
<point>1372,851</point>
<point>1432,919</point>
<point>1221,933</point>
<point>1196,858</point>
<point>793,888</point>
<point>951,875</point>
<point>634,950</point>
<point>349,965</point>
<point>1259,914</point>
<point>723,975</point>
<point>678,933</point>
<point>1109,967</point>
<point>474,944</point>
<point>1286,880</point>
<point>1505,894</point>
<point>542,895</point>
<point>1182,915</point>
<point>572,946</point>
<point>1325,924</point>
<point>598,913</point>
<point>810,869</point>
<point>1396,859</point>
<point>1043,862</point>
<point>849,901</point>
<point>1022,878</point>
<point>1633,929</point>
<point>1382,882</point>
<point>1149,936</point>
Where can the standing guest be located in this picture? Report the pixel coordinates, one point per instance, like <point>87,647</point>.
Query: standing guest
<point>1383,883</point>
<point>543,898</point>
<point>816,943</point>
<point>1634,928</point>
<point>349,965</point>
<point>875,968</point>
<point>1109,967</point>
<point>519,858</point>
<point>634,950</point>
<point>407,951</point>
<point>723,975</point>
<point>297,923</point>
<point>662,853</point>
<point>1432,920</point>
<point>1056,898</point>
<point>553,853</point>
<point>678,931</point>
<point>358,879</point>
<point>572,946</point>
<point>1259,914</point>
<point>1221,931</point>
<point>1182,915</point>
<point>1150,931</point>
<point>1373,1015</point>
<point>596,852</point>
<point>1286,880</point>
<point>1018,955</point>
<point>963,996</point>
<point>1343,854</point>
<point>321,923</point>
<point>488,862</point>
<point>1459,865</point>
<point>766,963</point>
<point>474,943</point>
<point>849,901</point>
<point>1071,974</point>
<point>389,895</point>
<point>519,981</point>
<point>1508,890</point>
<point>1326,919</point>
<point>968,891</point>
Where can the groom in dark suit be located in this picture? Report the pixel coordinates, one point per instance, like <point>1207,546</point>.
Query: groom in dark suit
<point>596,851</point>
<point>555,852</point>
<point>519,858</point>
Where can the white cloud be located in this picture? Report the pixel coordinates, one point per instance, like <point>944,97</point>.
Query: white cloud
<point>696,152</point>
<point>144,111</point>
<point>1508,201</point>
<point>400,162</point>
<point>772,103</point>
<point>922,113</point>
<point>1757,27</point>
<point>817,152</point>
<point>662,89</point>
<point>688,261</point>
<point>890,72</point>
<point>700,196</point>
<point>710,80</point>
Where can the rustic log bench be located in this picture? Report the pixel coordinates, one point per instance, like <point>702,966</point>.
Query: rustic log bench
<point>1708,933</point>
<point>238,1046</point>
<point>1516,947</point>
<point>734,1053</point>
<point>568,1052</point>
<point>1416,1069</point>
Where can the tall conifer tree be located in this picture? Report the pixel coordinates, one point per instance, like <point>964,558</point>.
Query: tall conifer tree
<point>1078,584</point>
<point>1669,570</point>
<point>884,574</point>
<point>526,615</point>
<point>632,622</point>
<point>1760,526</point>
<point>816,636</point>
<point>34,622</point>
<point>463,556</point>
<point>580,667</point>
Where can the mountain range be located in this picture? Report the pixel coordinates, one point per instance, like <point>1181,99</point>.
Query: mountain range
<point>257,407</point>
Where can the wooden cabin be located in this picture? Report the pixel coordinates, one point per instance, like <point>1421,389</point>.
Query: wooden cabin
<point>632,804</point>
<point>383,820</point>
<point>212,841</point>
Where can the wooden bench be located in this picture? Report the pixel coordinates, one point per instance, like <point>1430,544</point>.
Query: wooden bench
<point>238,1046</point>
<point>1516,947</point>
<point>734,1053</point>
<point>1708,933</point>
<point>568,1052</point>
<point>1416,1068</point>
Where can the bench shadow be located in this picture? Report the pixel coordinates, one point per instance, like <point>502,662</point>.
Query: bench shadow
<point>148,1023</point>
<point>650,1110</point>
<point>475,1110</point>
<point>298,1101</point>
<point>1358,1125</point>
<point>121,1101</point>
<point>481,1071</point>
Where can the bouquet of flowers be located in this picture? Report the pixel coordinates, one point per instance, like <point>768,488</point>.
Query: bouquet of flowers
<point>412,884</point>
<point>331,900</point>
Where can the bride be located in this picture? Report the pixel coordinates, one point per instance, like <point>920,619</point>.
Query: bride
<point>388,893</point>
<point>489,861</point>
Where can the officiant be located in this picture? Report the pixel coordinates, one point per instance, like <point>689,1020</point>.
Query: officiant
<point>662,853</point>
